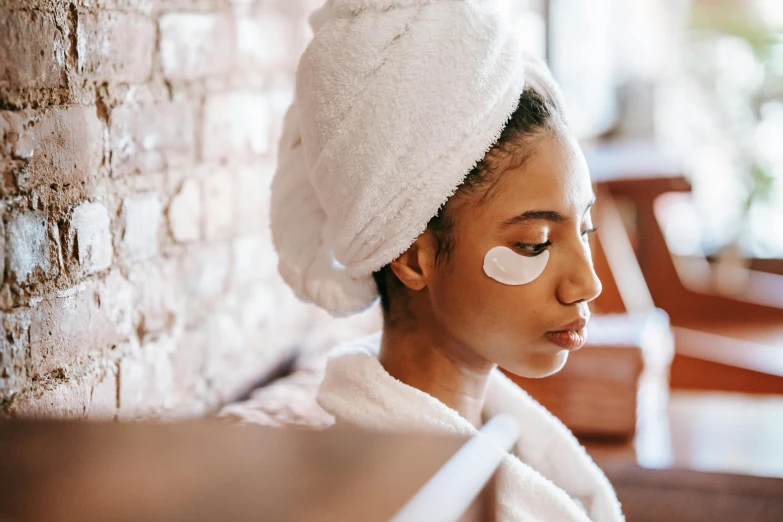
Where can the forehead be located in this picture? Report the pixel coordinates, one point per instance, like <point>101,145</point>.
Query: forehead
<point>554,177</point>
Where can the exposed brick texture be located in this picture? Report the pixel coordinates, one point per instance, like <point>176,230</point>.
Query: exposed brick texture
<point>196,44</point>
<point>89,318</point>
<point>116,47</point>
<point>91,236</point>
<point>28,246</point>
<point>137,147</point>
<point>219,205</point>
<point>185,212</point>
<point>236,124</point>
<point>252,207</point>
<point>32,50</point>
<point>141,218</point>
<point>151,137</point>
<point>60,145</point>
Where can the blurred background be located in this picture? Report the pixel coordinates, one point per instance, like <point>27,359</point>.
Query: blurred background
<point>699,79</point>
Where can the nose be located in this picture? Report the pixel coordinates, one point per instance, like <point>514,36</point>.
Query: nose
<point>580,283</point>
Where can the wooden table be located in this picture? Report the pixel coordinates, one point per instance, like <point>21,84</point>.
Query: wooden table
<point>720,458</point>
<point>207,471</point>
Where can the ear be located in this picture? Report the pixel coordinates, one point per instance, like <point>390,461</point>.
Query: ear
<point>414,266</point>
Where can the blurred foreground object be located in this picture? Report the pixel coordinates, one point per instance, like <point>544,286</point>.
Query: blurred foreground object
<point>207,471</point>
<point>450,492</point>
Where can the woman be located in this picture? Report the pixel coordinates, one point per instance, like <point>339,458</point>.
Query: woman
<point>427,160</point>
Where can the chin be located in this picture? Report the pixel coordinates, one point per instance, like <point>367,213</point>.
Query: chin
<point>539,365</point>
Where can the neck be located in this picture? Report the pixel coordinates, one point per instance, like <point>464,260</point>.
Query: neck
<point>450,372</point>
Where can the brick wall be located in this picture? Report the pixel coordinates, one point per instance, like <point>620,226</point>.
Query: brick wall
<point>137,143</point>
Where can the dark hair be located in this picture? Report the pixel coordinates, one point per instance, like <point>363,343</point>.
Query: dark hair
<point>533,115</point>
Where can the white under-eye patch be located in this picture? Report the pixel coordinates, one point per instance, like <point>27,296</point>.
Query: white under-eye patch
<point>504,265</point>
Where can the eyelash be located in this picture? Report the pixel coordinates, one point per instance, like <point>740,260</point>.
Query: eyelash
<point>536,249</point>
<point>590,230</point>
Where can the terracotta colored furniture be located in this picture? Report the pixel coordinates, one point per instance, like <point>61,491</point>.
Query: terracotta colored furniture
<point>722,342</point>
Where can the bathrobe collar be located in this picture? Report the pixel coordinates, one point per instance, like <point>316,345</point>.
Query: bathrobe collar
<point>549,473</point>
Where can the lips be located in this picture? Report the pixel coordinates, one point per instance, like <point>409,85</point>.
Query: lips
<point>571,336</point>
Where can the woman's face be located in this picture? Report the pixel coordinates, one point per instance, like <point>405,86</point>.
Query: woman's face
<point>529,328</point>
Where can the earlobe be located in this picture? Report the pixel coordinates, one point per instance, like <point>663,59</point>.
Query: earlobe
<point>411,268</point>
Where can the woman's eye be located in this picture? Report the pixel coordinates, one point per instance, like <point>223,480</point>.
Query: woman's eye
<point>589,231</point>
<point>533,249</point>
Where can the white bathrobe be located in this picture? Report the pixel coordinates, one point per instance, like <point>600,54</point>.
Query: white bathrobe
<point>549,477</point>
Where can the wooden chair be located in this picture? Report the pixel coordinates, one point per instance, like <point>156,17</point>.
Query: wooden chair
<point>722,342</point>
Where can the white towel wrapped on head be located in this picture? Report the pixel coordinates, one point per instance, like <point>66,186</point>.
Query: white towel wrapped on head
<point>396,101</point>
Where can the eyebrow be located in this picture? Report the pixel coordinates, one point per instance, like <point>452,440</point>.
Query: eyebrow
<point>541,215</point>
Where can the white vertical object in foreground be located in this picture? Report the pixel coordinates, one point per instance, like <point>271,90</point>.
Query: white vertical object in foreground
<point>449,493</point>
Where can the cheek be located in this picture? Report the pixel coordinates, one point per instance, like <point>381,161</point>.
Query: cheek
<point>479,310</point>
<point>504,323</point>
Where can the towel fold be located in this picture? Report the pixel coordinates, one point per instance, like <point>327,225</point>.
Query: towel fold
<point>549,476</point>
<point>395,102</point>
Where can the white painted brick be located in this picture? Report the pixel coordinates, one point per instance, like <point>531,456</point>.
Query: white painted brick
<point>27,244</point>
<point>253,195</point>
<point>236,124</point>
<point>185,212</point>
<point>90,227</point>
<point>115,46</point>
<point>152,137</point>
<point>219,205</point>
<point>14,345</point>
<point>146,380</point>
<point>141,219</point>
<point>193,45</point>
<point>260,304</point>
<point>253,259</point>
<point>187,362</point>
<point>2,242</point>
<point>159,299</point>
<point>265,41</point>
<point>205,270</point>
<point>115,303</point>
<point>103,397</point>
<point>225,357</point>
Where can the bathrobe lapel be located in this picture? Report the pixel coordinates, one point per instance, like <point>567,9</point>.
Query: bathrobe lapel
<point>548,478</point>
